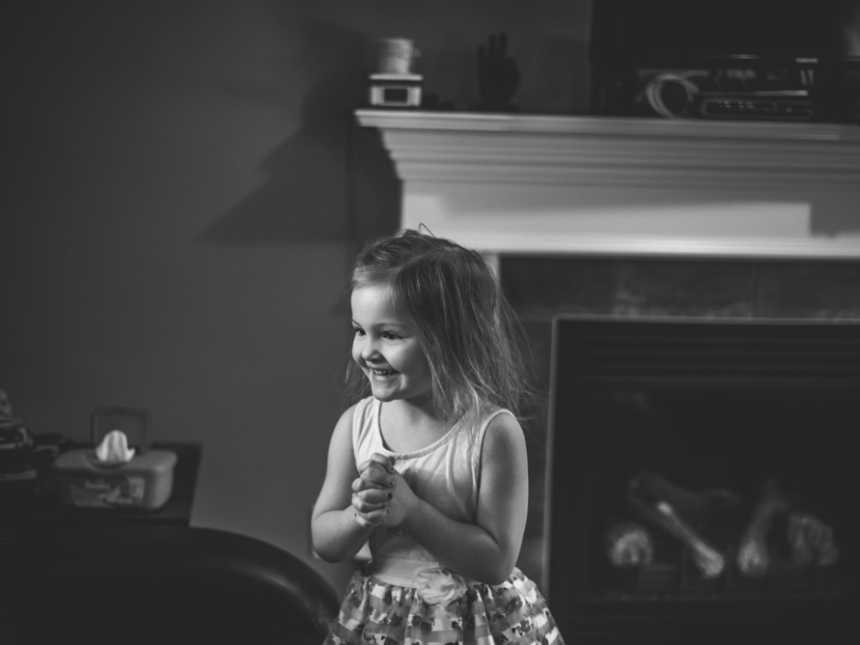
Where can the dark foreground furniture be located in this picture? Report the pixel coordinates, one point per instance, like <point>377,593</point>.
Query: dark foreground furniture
<point>195,586</point>
<point>127,577</point>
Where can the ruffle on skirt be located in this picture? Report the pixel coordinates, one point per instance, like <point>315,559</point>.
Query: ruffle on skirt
<point>474,613</point>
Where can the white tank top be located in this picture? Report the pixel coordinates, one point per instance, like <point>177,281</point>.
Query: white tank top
<point>445,473</point>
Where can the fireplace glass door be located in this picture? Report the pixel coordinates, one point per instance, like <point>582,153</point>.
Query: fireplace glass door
<point>702,481</point>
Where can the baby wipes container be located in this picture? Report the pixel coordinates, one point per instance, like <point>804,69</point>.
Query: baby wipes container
<point>118,470</point>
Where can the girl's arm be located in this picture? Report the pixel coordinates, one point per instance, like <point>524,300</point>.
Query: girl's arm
<point>336,531</point>
<point>487,550</point>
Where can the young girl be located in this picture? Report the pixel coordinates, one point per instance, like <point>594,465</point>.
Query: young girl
<point>430,468</point>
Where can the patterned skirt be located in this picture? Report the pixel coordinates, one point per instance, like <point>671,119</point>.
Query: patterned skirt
<point>513,612</point>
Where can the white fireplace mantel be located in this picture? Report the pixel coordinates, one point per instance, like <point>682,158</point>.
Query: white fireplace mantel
<point>511,183</point>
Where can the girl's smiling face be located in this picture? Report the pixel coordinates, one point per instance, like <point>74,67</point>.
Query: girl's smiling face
<point>385,346</point>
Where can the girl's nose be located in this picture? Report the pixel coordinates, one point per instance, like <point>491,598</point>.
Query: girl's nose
<point>368,349</point>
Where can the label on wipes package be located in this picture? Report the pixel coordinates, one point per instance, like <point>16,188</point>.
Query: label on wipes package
<point>107,491</point>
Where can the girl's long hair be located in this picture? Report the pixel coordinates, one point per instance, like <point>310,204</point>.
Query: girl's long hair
<point>473,342</point>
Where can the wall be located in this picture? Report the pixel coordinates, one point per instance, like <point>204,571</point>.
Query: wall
<point>185,188</point>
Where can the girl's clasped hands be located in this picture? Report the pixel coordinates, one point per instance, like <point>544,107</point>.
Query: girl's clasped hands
<point>380,495</point>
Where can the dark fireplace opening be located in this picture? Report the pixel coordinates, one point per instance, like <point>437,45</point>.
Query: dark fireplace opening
<point>702,483</point>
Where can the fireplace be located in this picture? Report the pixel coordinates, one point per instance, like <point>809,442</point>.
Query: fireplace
<point>714,420</point>
<point>708,374</point>
<point>719,231</point>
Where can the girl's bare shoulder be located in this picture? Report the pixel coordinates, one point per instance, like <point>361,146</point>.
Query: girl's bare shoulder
<point>504,436</point>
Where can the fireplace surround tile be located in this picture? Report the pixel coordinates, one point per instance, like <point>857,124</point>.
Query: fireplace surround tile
<point>808,290</point>
<point>542,287</point>
<point>684,288</point>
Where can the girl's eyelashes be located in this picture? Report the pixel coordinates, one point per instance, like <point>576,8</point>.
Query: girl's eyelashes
<point>386,335</point>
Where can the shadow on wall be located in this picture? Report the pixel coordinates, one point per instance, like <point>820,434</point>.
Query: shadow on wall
<point>332,180</point>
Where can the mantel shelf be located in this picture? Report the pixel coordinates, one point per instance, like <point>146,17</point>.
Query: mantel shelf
<point>475,122</point>
<point>517,183</point>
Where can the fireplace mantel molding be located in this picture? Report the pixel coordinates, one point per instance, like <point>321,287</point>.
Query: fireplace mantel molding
<point>540,184</point>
